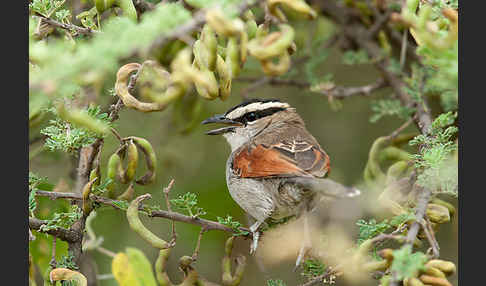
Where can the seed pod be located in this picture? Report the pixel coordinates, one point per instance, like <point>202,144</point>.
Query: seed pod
<point>271,69</point>
<point>387,254</point>
<point>128,194</point>
<point>437,213</point>
<point>435,281</point>
<point>208,37</point>
<point>87,205</point>
<point>200,55</point>
<point>112,168</point>
<point>222,25</point>
<point>95,174</point>
<point>150,160</point>
<point>232,56</point>
<point>376,265</point>
<point>132,158</point>
<point>450,207</point>
<point>445,266</point>
<point>209,93</point>
<point>137,226</point>
<point>297,5</point>
<point>432,271</point>
<point>102,5</point>
<point>67,274</point>
<point>273,44</point>
<point>121,88</point>
<point>224,73</point>
<point>412,281</point>
<point>250,26</point>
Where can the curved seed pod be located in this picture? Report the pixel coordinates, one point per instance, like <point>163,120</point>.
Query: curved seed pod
<point>450,207</point>
<point>435,281</point>
<point>113,163</point>
<point>128,194</point>
<point>432,271</point>
<point>184,72</point>
<point>271,69</point>
<point>160,267</point>
<point>222,25</point>
<point>208,37</point>
<point>437,213</point>
<point>137,226</point>
<point>87,205</point>
<point>132,158</point>
<point>150,159</point>
<point>296,5</point>
<point>447,267</point>
<point>232,56</point>
<point>224,73</point>
<point>59,274</point>
<point>273,44</point>
<point>121,88</point>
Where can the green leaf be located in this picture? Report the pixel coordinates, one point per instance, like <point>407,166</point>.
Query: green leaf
<point>312,268</point>
<point>371,229</point>
<point>277,282</point>
<point>235,225</point>
<point>63,220</point>
<point>407,264</point>
<point>188,202</point>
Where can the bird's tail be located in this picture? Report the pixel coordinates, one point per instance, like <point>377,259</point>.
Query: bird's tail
<point>326,187</point>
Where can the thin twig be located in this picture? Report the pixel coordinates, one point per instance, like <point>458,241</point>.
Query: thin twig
<point>53,262</point>
<point>167,202</point>
<point>430,237</point>
<point>400,129</point>
<point>106,251</point>
<point>198,244</point>
<point>403,50</point>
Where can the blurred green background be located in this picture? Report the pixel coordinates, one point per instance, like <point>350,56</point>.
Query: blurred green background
<point>197,163</point>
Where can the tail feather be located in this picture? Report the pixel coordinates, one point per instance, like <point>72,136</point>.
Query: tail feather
<point>326,187</point>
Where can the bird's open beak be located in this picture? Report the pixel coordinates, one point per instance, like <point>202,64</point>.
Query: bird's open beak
<point>219,118</point>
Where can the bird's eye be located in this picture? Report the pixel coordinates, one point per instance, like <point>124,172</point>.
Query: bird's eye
<point>251,116</point>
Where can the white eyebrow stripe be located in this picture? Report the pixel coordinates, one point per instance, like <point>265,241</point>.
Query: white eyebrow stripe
<point>255,107</point>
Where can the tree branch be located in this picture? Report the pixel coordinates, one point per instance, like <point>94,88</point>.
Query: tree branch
<point>207,224</point>
<point>69,27</point>
<point>61,233</point>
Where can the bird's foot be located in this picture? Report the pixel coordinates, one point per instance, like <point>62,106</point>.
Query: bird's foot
<point>256,236</point>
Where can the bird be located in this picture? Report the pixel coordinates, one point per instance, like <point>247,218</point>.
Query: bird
<point>276,168</point>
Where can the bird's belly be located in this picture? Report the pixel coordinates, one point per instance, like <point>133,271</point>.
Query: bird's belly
<point>265,198</point>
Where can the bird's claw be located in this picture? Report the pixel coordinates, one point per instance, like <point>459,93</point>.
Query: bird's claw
<point>254,244</point>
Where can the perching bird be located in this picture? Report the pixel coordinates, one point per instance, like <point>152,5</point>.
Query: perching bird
<point>276,167</point>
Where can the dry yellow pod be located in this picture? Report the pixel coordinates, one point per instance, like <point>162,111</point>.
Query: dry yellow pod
<point>437,213</point>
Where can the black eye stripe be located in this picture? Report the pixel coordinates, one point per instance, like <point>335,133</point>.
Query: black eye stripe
<point>254,115</point>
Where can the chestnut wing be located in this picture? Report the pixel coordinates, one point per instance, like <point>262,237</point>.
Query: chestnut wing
<point>296,158</point>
